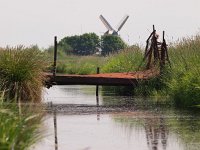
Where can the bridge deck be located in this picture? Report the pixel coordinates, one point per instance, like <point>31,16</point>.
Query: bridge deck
<point>117,79</point>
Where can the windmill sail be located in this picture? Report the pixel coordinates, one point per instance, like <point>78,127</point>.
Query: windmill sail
<point>122,22</point>
<point>105,22</point>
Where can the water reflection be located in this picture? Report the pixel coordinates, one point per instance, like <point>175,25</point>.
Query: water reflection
<point>154,126</point>
<point>122,122</point>
<point>156,132</point>
<point>73,94</point>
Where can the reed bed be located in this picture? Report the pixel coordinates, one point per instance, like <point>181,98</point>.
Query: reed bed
<point>21,81</point>
<point>21,74</point>
<point>183,79</point>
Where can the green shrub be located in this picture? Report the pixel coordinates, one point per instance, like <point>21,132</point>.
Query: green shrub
<point>125,61</point>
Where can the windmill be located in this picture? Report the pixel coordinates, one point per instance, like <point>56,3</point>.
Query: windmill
<point>111,30</point>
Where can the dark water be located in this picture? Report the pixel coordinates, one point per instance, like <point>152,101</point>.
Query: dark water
<point>119,123</point>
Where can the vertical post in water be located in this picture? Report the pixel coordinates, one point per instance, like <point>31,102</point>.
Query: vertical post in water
<point>97,89</point>
<point>55,56</point>
<point>55,129</point>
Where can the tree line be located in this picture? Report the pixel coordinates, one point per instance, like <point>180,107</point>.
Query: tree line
<point>90,43</point>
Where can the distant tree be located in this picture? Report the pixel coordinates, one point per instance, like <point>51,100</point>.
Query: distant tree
<point>85,44</point>
<point>68,44</point>
<point>88,43</point>
<point>111,43</point>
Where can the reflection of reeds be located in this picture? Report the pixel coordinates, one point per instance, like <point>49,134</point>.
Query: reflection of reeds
<point>156,131</point>
<point>21,73</point>
<point>154,125</point>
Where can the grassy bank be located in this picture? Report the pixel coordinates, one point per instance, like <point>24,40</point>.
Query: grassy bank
<point>180,80</point>
<point>127,60</point>
<point>183,79</point>
<point>124,61</point>
<point>80,65</point>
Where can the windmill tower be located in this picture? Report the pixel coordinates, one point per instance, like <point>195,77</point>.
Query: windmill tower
<point>111,30</point>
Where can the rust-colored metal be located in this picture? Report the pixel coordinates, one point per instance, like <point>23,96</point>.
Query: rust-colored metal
<point>116,79</point>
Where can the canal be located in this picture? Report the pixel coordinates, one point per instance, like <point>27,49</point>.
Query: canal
<point>117,123</point>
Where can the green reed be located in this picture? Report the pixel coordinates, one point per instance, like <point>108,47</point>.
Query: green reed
<point>19,131</point>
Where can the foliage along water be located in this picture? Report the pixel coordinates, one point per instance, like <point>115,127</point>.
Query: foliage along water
<point>142,123</point>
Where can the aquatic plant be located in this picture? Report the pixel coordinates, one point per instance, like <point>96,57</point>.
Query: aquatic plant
<point>19,131</point>
<point>21,73</point>
<point>183,80</point>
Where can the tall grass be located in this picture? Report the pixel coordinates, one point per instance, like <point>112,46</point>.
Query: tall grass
<point>181,81</point>
<point>19,131</point>
<point>184,80</point>
<point>21,80</point>
<point>71,64</point>
<point>21,73</point>
<point>126,60</point>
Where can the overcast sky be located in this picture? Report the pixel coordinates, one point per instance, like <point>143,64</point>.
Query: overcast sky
<point>38,21</point>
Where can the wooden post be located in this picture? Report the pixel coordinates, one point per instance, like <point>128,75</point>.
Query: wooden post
<point>55,129</point>
<point>55,56</point>
<point>153,28</point>
<point>97,88</point>
<point>155,46</point>
<point>98,70</point>
<point>163,35</point>
<point>163,51</point>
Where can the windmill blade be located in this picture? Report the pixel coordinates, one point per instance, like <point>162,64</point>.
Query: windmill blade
<point>105,22</point>
<point>122,22</point>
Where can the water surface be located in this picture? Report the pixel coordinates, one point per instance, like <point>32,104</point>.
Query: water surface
<point>141,124</point>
